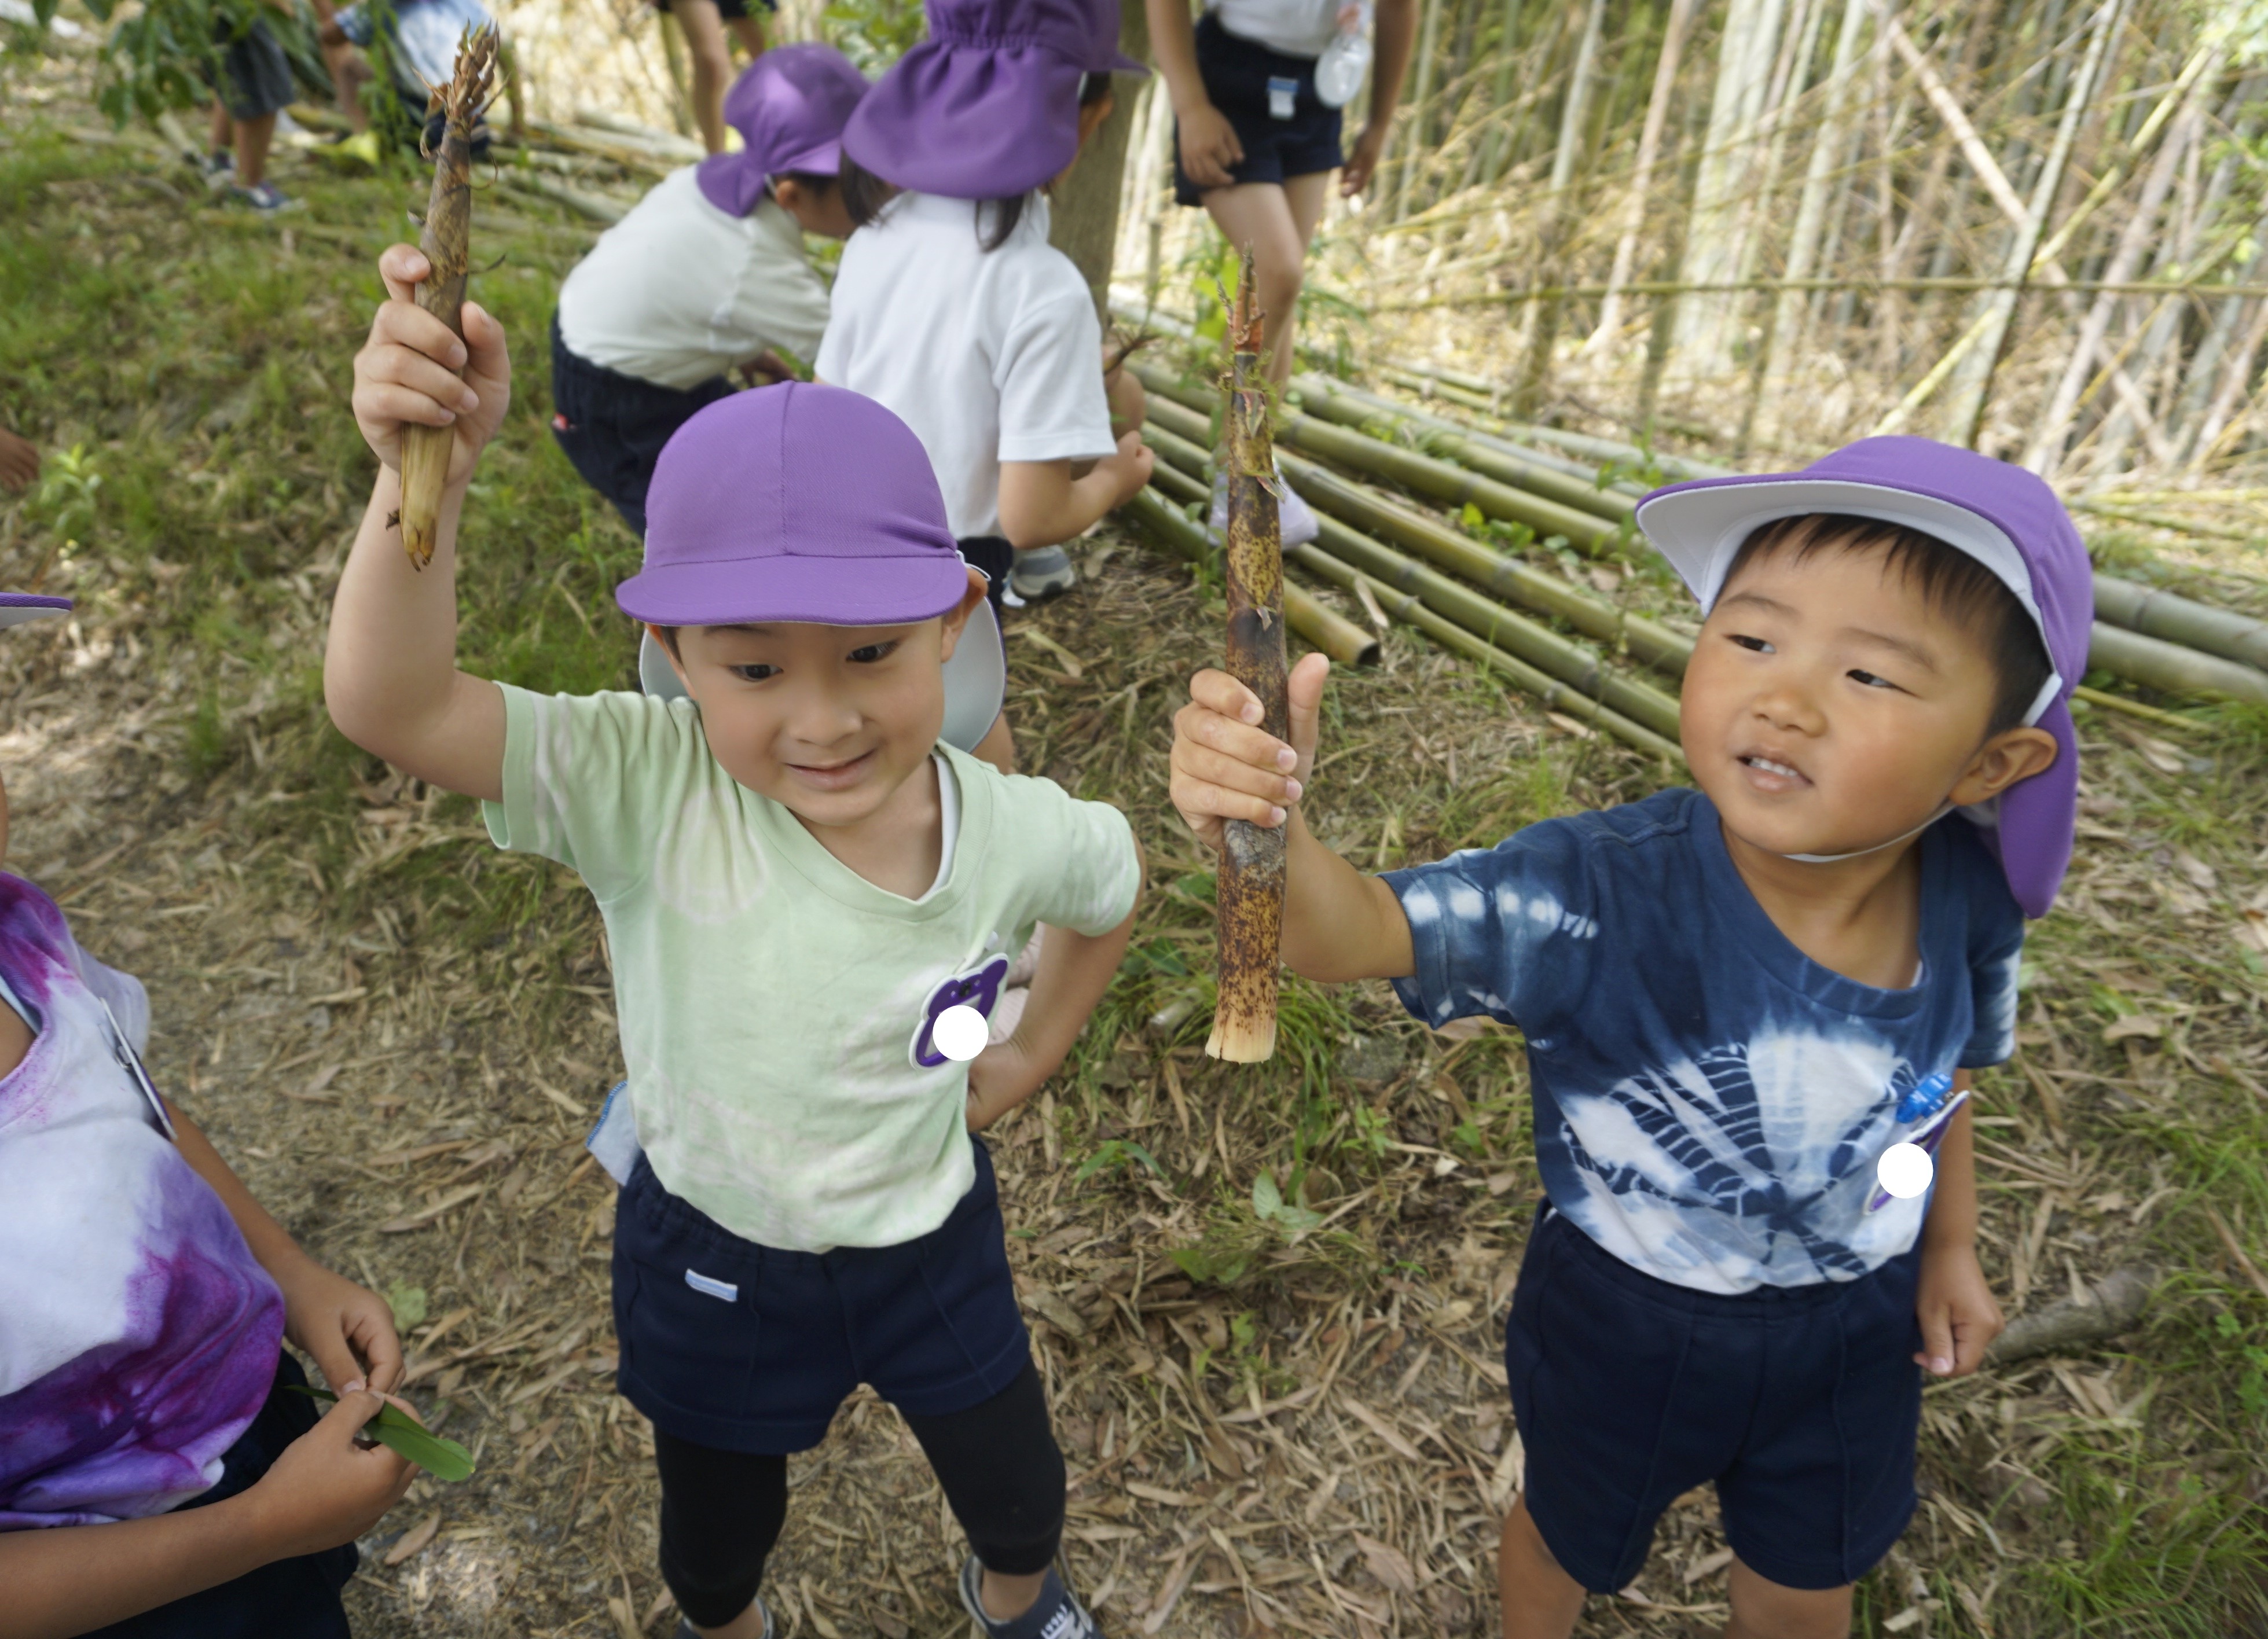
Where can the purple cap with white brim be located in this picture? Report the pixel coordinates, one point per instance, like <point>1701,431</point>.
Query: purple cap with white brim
<point>790,107</point>
<point>16,607</point>
<point>808,505</point>
<point>987,106</point>
<point>2005,517</point>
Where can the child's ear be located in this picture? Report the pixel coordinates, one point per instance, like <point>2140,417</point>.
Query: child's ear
<point>2009,756</point>
<point>956,617</point>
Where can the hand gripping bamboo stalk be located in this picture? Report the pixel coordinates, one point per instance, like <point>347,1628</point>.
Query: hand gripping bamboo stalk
<point>446,241</point>
<point>1251,881</point>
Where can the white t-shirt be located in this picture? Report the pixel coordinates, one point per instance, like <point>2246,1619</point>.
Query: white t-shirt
<point>678,290</point>
<point>1298,28</point>
<point>989,356</point>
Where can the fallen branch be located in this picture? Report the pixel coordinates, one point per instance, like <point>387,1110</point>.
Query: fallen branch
<point>2112,1305</point>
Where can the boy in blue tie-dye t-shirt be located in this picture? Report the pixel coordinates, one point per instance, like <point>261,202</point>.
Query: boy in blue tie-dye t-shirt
<point>1751,1008</point>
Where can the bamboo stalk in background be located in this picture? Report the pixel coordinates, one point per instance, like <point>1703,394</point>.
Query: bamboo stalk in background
<point>446,241</point>
<point>1649,149</point>
<point>1250,892</point>
<point>2183,621</point>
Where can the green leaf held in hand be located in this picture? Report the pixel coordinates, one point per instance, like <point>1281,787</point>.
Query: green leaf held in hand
<point>409,1439</point>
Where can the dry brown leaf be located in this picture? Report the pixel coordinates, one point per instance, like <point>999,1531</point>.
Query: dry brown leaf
<point>2148,1026</point>
<point>1389,1564</point>
<point>413,1541</point>
<point>424,1216</point>
<point>1379,1426</point>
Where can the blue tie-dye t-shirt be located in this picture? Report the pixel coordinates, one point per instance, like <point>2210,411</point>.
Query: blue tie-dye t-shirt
<point>1711,1103</point>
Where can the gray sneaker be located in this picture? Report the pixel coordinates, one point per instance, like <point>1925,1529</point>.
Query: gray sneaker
<point>1055,1614</point>
<point>218,168</point>
<point>685,1628</point>
<point>267,199</point>
<point>1042,573</point>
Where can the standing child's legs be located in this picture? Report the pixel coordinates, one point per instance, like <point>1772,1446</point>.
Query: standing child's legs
<point>721,1514</point>
<point>1003,1475</point>
<point>1765,1610</point>
<point>253,139</point>
<point>713,66</point>
<point>1540,1600</point>
<point>1277,220</point>
<point>749,31</point>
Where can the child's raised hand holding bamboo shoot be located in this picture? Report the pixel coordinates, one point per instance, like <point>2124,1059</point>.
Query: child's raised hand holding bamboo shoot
<point>1338,923</point>
<point>408,372</point>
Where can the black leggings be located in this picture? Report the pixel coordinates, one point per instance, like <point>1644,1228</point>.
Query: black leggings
<point>721,1511</point>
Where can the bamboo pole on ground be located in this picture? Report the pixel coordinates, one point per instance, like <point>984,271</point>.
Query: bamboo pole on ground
<point>2156,663</point>
<point>1317,623</point>
<point>446,241</point>
<point>2183,621</point>
<point>1249,894</point>
<point>1534,644</point>
<point>1552,694</point>
<point>1441,481</point>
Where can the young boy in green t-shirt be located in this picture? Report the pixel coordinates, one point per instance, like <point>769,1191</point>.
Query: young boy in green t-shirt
<point>812,903</point>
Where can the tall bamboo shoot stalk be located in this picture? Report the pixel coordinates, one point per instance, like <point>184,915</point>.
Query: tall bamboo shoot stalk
<point>1250,893</point>
<point>446,241</point>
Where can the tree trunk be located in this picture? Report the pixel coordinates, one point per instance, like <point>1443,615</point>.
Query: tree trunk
<point>1649,149</point>
<point>1084,217</point>
<point>1543,328</point>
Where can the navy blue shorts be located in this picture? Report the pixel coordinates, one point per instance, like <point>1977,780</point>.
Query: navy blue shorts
<point>612,427</point>
<point>743,1348</point>
<point>288,1598</point>
<point>1803,1404</point>
<point>1236,72</point>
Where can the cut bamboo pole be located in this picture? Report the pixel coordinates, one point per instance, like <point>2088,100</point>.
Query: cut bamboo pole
<point>2157,664</point>
<point>1552,694</point>
<point>1440,480</point>
<point>1648,641</point>
<point>1649,149</point>
<point>446,241</point>
<point>1249,894</point>
<point>2180,619</point>
<point>1454,601</point>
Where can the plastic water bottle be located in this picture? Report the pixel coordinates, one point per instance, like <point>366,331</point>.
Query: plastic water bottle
<point>1340,70</point>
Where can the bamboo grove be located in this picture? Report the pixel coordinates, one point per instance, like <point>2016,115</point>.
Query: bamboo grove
<point>1773,225</point>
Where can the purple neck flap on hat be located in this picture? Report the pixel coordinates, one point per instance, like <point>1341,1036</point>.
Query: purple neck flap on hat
<point>730,182</point>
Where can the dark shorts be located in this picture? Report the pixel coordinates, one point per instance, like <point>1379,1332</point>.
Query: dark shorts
<point>995,557</point>
<point>1236,72</point>
<point>744,1347</point>
<point>291,1599</point>
<point>1803,1404</point>
<point>613,426</point>
<point>729,10</point>
<point>255,75</point>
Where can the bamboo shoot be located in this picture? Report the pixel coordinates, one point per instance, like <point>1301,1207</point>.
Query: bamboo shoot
<point>1251,892</point>
<point>446,241</point>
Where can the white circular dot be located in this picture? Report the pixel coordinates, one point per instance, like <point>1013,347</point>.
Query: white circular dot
<point>960,1033</point>
<point>1905,1170</point>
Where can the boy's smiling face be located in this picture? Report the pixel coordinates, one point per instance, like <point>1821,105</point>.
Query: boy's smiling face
<point>828,721</point>
<point>1831,708</point>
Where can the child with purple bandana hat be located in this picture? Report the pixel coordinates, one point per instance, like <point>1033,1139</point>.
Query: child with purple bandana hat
<point>951,308</point>
<point>706,276</point>
<point>1744,1005</point>
<point>812,896</point>
<point>159,1479</point>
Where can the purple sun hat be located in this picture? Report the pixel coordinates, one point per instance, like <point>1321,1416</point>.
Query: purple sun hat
<point>790,107</point>
<point>988,105</point>
<point>809,503</point>
<point>16,607</point>
<point>2005,517</point>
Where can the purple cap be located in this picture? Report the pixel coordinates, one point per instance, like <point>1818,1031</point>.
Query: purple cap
<point>2005,517</point>
<point>795,502</point>
<point>790,107</point>
<point>988,105</point>
<point>16,607</point>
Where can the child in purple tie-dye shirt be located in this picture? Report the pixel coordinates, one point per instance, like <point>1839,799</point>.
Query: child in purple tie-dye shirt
<point>157,1478</point>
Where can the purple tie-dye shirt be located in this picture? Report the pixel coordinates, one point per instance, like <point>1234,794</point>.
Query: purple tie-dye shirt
<point>138,1336</point>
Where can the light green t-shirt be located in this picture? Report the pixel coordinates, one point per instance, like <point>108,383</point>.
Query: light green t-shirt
<point>774,1004</point>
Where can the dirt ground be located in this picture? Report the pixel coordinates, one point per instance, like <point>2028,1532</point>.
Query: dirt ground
<point>1282,1416</point>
